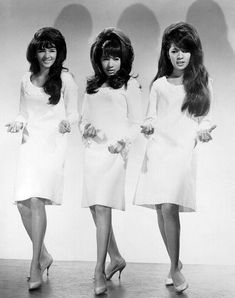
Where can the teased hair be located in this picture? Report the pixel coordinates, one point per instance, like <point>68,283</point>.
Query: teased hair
<point>195,77</point>
<point>49,37</point>
<point>110,42</point>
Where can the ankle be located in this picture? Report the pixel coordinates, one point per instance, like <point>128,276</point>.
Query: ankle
<point>116,259</point>
<point>99,270</point>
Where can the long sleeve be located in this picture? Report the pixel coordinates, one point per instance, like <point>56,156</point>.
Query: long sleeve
<point>205,122</point>
<point>151,115</point>
<point>70,93</point>
<point>84,115</point>
<point>134,109</point>
<point>22,115</point>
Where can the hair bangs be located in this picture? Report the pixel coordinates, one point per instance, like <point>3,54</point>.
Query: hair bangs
<point>44,44</point>
<point>111,48</point>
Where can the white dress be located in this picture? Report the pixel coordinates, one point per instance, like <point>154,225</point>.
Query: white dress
<point>42,152</point>
<point>117,115</point>
<point>168,173</point>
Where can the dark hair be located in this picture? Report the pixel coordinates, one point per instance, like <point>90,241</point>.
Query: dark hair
<point>49,37</point>
<point>195,77</point>
<point>110,42</point>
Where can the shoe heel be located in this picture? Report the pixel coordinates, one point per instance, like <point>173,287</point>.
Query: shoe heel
<point>120,272</point>
<point>48,269</point>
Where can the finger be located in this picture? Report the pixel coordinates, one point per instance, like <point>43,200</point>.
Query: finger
<point>87,125</point>
<point>8,124</point>
<point>110,148</point>
<point>212,128</point>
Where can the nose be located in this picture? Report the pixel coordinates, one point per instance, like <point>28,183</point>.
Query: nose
<point>110,62</point>
<point>47,54</point>
<point>180,55</point>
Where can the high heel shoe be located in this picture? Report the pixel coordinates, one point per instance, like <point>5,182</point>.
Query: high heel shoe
<point>100,286</point>
<point>169,280</point>
<point>182,287</point>
<point>34,285</point>
<point>118,267</point>
<point>47,265</point>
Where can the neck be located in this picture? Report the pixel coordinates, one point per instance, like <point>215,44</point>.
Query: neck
<point>43,72</point>
<point>177,73</point>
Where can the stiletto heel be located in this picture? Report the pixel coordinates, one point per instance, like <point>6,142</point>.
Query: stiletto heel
<point>118,267</point>
<point>47,265</point>
<point>120,271</point>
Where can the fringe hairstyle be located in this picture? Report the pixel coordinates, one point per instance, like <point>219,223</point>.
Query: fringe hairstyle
<point>195,77</point>
<point>49,37</point>
<point>110,42</point>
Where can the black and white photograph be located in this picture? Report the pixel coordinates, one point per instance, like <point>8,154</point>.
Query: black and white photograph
<point>117,164</point>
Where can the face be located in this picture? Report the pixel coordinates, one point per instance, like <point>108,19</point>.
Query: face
<point>110,65</point>
<point>46,57</point>
<point>179,58</point>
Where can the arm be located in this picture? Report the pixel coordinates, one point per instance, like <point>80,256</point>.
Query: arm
<point>22,117</point>
<point>148,126</point>
<point>87,130</point>
<point>205,126</point>
<point>70,94</point>
<point>134,115</point>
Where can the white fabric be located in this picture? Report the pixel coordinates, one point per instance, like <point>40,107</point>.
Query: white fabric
<point>42,152</point>
<point>117,115</point>
<point>168,172</point>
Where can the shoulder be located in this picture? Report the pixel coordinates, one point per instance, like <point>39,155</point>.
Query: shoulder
<point>66,76</point>
<point>68,79</point>
<point>26,76</point>
<point>133,84</point>
<point>25,79</point>
<point>158,83</point>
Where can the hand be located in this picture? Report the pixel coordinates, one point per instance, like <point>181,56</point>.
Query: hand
<point>14,126</point>
<point>117,148</point>
<point>205,135</point>
<point>89,131</point>
<point>64,126</point>
<point>147,129</point>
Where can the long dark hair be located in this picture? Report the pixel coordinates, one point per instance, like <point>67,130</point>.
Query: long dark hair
<point>195,77</point>
<point>110,42</point>
<point>49,37</point>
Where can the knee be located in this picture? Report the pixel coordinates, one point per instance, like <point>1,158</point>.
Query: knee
<point>169,210</point>
<point>21,207</point>
<point>102,210</point>
<point>36,203</point>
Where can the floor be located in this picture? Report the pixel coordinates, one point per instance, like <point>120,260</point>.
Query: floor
<point>74,280</point>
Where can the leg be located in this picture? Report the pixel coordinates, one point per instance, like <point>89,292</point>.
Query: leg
<point>26,216</point>
<point>117,261</point>
<point>113,250</point>
<point>103,227</point>
<point>38,229</point>
<point>102,216</point>
<point>163,234</point>
<point>170,213</point>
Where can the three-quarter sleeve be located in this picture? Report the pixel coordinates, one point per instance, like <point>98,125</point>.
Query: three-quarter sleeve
<point>205,122</point>
<point>70,94</point>
<point>23,114</point>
